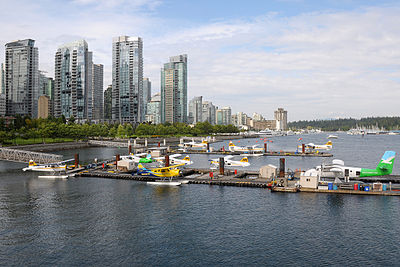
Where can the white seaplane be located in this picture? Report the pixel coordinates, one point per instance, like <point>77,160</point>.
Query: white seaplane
<point>245,149</point>
<point>138,158</point>
<point>313,146</point>
<point>57,167</point>
<point>244,162</point>
<point>203,144</point>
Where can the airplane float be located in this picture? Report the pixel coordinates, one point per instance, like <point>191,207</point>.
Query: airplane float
<point>327,146</point>
<point>245,149</point>
<point>338,170</point>
<point>244,162</point>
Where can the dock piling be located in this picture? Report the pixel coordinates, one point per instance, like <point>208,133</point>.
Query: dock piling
<point>265,148</point>
<point>166,160</point>
<point>303,148</point>
<point>76,160</point>
<point>117,158</point>
<point>282,167</point>
<point>221,166</point>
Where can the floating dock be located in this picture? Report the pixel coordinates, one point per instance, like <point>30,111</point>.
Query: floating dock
<point>229,180</point>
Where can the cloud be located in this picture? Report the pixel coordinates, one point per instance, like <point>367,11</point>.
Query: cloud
<point>315,65</point>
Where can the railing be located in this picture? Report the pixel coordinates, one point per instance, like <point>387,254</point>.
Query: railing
<point>25,156</point>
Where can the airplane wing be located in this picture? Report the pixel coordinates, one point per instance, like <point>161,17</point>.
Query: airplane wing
<point>172,167</point>
<point>175,155</point>
<point>228,157</point>
<point>337,170</point>
<point>64,161</point>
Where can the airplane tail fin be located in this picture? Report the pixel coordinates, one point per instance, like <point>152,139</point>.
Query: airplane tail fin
<point>148,156</point>
<point>140,166</point>
<point>245,159</point>
<point>329,143</point>
<point>386,163</point>
<point>231,144</point>
<point>187,158</point>
<point>32,163</point>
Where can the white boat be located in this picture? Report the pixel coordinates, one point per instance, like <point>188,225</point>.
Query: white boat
<point>53,176</point>
<point>184,181</point>
<point>169,183</point>
<point>331,136</point>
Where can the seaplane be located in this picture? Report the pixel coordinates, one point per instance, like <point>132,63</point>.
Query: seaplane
<point>164,173</point>
<point>327,146</point>
<point>245,149</point>
<point>54,168</point>
<point>139,158</point>
<point>203,144</point>
<point>338,170</point>
<point>244,162</point>
<point>174,159</point>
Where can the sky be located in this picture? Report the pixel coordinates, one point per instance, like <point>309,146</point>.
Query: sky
<point>318,59</point>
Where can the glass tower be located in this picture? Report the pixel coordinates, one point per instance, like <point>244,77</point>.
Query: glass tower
<point>174,90</point>
<point>72,80</point>
<point>21,78</point>
<point>127,80</point>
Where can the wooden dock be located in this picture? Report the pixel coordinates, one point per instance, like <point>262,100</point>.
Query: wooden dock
<point>271,153</point>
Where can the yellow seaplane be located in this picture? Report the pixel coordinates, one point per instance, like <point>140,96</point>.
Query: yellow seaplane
<point>163,173</point>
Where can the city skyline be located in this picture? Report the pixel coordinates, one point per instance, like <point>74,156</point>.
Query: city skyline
<point>317,59</point>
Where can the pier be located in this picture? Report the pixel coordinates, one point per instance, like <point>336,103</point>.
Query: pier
<point>23,156</point>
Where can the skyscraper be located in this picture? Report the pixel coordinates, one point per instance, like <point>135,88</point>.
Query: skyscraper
<point>97,92</point>
<point>208,112</point>
<point>174,90</point>
<point>2,81</point>
<point>21,78</point>
<point>146,95</point>
<point>153,109</point>
<point>196,110</point>
<point>223,116</point>
<point>281,119</point>
<point>72,81</point>
<point>127,80</point>
<point>108,103</point>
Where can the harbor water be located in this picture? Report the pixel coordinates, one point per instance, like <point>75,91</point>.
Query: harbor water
<point>92,221</point>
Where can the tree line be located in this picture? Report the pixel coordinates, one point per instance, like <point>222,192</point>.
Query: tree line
<point>28,128</point>
<point>387,123</point>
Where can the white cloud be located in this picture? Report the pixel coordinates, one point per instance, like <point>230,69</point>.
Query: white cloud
<point>316,65</point>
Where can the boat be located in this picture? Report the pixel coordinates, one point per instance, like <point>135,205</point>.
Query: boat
<point>331,136</point>
<point>166,182</point>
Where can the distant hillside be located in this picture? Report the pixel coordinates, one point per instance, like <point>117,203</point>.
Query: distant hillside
<point>388,123</point>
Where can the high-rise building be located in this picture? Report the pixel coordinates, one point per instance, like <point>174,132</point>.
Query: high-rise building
<point>174,90</point>
<point>2,81</point>
<point>46,88</point>
<point>281,119</point>
<point>196,110</point>
<point>223,116</point>
<point>97,92</point>
<point>21,78</point>
<point>208,112</point>
<point>72,81</point>
<point>127,80</point>
<point>2,105</point>
<point>257,117</point>
<point>43,107</point>
<point>146,93</point>
<point>108,103</point>
<point>153,109</point>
